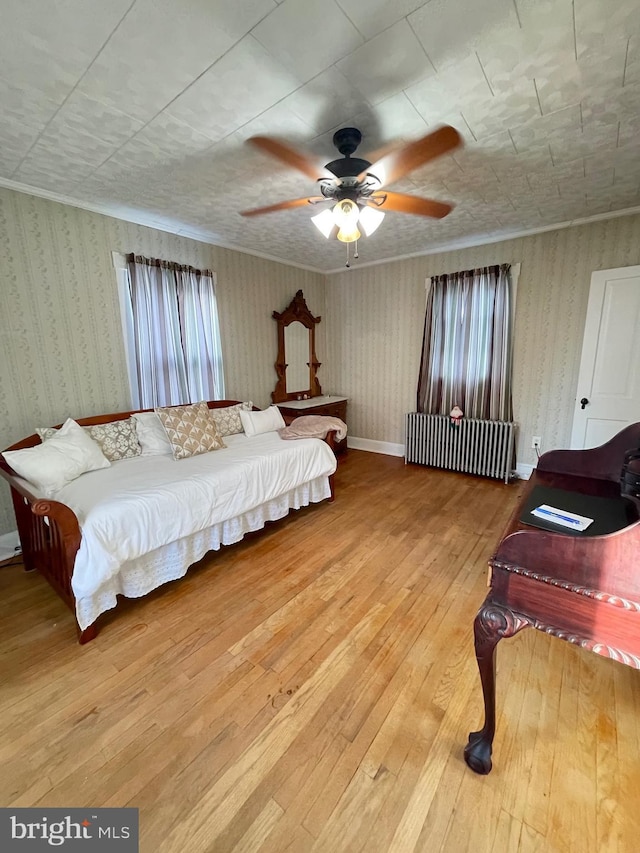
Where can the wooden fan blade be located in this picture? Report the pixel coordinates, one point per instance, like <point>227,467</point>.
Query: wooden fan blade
<point>401,161</point>
<point>379,153</point>
<point>403,203</point>
<point>284,205</point>
<point>290,157</point>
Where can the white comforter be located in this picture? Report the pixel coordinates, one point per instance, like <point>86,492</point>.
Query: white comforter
<point>140,504</point>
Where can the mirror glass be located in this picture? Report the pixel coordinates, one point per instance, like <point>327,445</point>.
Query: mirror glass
<point>296,341</point>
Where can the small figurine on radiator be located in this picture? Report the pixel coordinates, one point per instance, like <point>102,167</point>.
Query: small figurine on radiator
<point>456,414</point>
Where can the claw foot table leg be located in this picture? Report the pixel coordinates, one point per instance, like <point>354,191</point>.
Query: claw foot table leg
<point>493,622</point>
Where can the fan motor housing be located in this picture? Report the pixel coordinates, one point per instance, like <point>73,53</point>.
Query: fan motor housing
<point>346,141</point>
<point>347,167</point>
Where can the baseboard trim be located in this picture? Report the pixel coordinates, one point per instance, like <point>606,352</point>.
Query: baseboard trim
<point>388,448</point>
<point>385,447</point>
<point>8,544</point>
<point>524,471</point>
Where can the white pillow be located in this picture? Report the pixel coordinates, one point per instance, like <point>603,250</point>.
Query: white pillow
<point>151,434</point>
<point>61,459</point>
<point>268,420</point>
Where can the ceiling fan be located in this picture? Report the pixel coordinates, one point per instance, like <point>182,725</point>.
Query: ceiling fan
<point>352,187</point>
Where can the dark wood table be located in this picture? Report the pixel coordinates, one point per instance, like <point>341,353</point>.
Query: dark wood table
<point>580,587</point>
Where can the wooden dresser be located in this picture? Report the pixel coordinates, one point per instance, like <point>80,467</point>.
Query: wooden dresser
<point>331,405</point>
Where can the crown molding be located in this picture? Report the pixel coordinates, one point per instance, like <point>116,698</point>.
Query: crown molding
<point>488,239</point>
<point>212,239</point>
<point>139,218</point>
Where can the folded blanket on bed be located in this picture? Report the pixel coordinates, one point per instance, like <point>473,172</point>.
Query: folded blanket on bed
<point>314,426</point>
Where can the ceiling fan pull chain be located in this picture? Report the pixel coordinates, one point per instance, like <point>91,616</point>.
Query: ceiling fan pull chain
<point>348,264</point>
<point>355,254</point>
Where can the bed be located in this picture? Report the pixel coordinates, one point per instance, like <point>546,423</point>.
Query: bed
<point>131,527</point>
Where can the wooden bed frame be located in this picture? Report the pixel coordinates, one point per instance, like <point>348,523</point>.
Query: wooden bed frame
<point>49,531</point>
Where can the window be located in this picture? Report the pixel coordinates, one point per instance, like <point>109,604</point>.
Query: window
<point>466,352</point>
<point>171,329</point>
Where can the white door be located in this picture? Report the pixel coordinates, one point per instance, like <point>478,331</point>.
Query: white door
<point>608,396</point>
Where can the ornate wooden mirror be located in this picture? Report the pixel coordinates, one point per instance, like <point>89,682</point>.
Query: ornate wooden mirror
<point>297,364</point>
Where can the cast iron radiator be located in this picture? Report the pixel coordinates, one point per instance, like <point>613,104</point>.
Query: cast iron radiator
<point>474,446</point>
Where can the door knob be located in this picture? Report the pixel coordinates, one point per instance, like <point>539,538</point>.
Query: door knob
<point>584,402</point>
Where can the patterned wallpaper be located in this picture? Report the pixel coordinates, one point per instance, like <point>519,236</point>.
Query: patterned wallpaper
<point>60,328</point>
<point>376,318</point>
<point>62,350</point>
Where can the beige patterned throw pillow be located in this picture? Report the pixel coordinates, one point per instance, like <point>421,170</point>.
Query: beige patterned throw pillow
<point>116,439</point>
<point>190,429</point>
<point>228,418</point>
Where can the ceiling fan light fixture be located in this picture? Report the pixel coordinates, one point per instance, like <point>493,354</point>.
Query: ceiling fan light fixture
<point>348,234</point>
<point>324,222</point>
<point>346,214</point>
<point>370,219</point>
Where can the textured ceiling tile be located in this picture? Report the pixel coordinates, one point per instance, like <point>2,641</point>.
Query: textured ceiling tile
<point>394,118</point>
<point>43,167</point>
<point>156,53</point>
<point>599,162</point>
<point>84,115</point>
<point>612,105</point>
<point>74,145</point>
<point>50,46</point>
<point>14,144</point>
<point>572,170</point>
<point>308,36</point>
<point>527,52</point>
<point>597,69</point>
<point>545,194</point>
<point>241,85</point>
<point>53,182</point>
<point>525,163</point>
<point>443,169</point>
<point>441,96</point>
<point>450,29</point>
<point>25,113</point>
<point>279,121</point>
<point>374,16</point>
<point>388,63</point>
<point>327,100</point>
<point>9,161</point>
<point>481,179</point>
<point>536,132</point>
<point>629,133</point>
<point>171,137</point>
<point>491,147</point>
<point>632,66</point>
<point>510,184</point>
<point>625,200</point>
<point>502,111</point>
<point>571,145</point>
<point>143,162</point>
<point>598,20</point>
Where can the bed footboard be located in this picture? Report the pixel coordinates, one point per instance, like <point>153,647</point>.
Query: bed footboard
<point>50,537</point>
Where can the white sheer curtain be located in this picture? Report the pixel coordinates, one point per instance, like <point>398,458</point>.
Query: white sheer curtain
<point>200,330</point>
<point>176,336</point>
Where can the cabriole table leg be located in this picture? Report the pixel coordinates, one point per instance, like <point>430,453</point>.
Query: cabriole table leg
<point>493,622</point>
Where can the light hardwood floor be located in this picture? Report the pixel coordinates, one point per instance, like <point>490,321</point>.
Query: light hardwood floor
<point>312,688</point>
